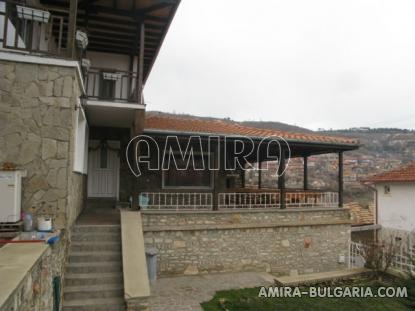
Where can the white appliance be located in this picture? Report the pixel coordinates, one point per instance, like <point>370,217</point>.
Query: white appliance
<point>10,195</point>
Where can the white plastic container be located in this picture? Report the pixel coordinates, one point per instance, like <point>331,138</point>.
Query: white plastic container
<point>10,196</point>
<point>44,223</point>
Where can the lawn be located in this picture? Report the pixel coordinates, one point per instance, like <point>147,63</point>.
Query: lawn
<point>248,300</point>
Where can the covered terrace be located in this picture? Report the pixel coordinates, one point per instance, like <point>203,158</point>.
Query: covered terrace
<point>224,188</point>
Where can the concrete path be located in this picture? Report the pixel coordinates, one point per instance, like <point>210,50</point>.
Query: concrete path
<point>185,293</point>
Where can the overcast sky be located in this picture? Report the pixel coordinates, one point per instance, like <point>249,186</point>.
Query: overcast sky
<point>313,63</point>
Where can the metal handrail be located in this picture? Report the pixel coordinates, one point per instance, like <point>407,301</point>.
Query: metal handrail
<point>32,30</point>
<point>111,85</point>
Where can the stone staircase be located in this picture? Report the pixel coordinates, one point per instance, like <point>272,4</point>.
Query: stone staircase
<point>93,276</point>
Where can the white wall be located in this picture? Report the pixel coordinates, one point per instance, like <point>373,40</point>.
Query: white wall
<point>397,209</point>
<point>81,142</point>
<point>109,60</point>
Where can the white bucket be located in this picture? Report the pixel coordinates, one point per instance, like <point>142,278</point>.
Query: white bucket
<point>44,223</point>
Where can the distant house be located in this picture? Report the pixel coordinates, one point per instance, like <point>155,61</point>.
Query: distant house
<point>395,197</point>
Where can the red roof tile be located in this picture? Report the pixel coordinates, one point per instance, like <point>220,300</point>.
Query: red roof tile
<point>360,215</point>
<point>178,124</point>
<point>403,174</point>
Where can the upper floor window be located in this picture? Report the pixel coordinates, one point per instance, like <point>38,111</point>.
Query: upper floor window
<point>387,189</point>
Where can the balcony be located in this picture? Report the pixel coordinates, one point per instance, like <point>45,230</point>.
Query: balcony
<point>32,30</point>
<point>111,85</point>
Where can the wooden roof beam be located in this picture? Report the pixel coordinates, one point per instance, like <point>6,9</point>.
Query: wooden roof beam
<point>130,24</point>
<point>158,6</point>
<point>85,3</point>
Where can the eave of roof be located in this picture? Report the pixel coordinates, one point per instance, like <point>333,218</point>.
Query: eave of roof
<point>402,174</point>
<point>159,125</point>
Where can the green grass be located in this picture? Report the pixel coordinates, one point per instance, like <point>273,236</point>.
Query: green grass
<point>248,300</point>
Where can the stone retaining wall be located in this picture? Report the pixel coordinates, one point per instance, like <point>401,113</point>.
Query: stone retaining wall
<point>35,290</point>
<point>37,126</point>
<point>280,241</point>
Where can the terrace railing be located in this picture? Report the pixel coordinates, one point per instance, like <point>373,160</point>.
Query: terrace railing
<point>248,200</point>
<point>312,199</point>
<point>111,85</point>
<point>294,199</point>
<point>236,200</point>
<point>176,200</point>
<point>32,30</point>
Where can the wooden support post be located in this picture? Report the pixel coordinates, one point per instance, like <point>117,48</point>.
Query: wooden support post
<point>140,64</point>
<point>341,179</point>
<point>259,175</point>
<point>305,173</point>
<point>281,179</point>
<point>70,43</point>
<point>138,127</point>
<point>217,163</point>
<point>242,177</point>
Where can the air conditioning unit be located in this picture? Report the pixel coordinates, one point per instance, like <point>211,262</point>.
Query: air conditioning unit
<point>10,194</point>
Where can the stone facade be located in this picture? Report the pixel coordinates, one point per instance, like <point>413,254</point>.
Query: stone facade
<point>35,292</point>
<point>279,241</point>
<point>37,120</point>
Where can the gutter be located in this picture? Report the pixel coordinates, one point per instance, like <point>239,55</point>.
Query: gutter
<point>365,228</point>
<point>375,210</point>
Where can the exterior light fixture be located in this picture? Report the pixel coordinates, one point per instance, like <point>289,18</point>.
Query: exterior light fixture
<point>81,39</point>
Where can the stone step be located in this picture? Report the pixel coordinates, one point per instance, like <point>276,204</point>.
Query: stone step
<point>73,279</point>
<point>96,228</point>
<point>93,291</point>
<point>94,267</point>
<point>96,236</point>
<point>94,256</point>
<point>94,246</point>
<point>100,304</point>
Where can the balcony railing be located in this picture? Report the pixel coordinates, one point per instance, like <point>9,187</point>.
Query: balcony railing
<point>111,85</point>
<point>237,200</point>
<point>32,30</point>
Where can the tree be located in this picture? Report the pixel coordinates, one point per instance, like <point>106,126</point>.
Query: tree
<point>380,254</point>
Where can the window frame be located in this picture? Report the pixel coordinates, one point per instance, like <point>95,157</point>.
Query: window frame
<point>80,164</point>
<point>211,177</point>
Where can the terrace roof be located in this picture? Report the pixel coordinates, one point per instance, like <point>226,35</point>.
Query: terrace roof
<point>300,143</point>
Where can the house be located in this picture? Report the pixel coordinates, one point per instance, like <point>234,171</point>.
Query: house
<point>394,197</point>
<point>73,122</point>
<point>68,67</point>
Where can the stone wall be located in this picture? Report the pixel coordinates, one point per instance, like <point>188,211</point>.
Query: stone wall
<point>281,241</point>
<point>35,290</point>
<point>37,120</point>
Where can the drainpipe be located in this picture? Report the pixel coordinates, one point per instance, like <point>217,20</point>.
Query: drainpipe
<point>375,210</point>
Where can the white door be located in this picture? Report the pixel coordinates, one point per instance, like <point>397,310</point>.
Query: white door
<point>103,169</point>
